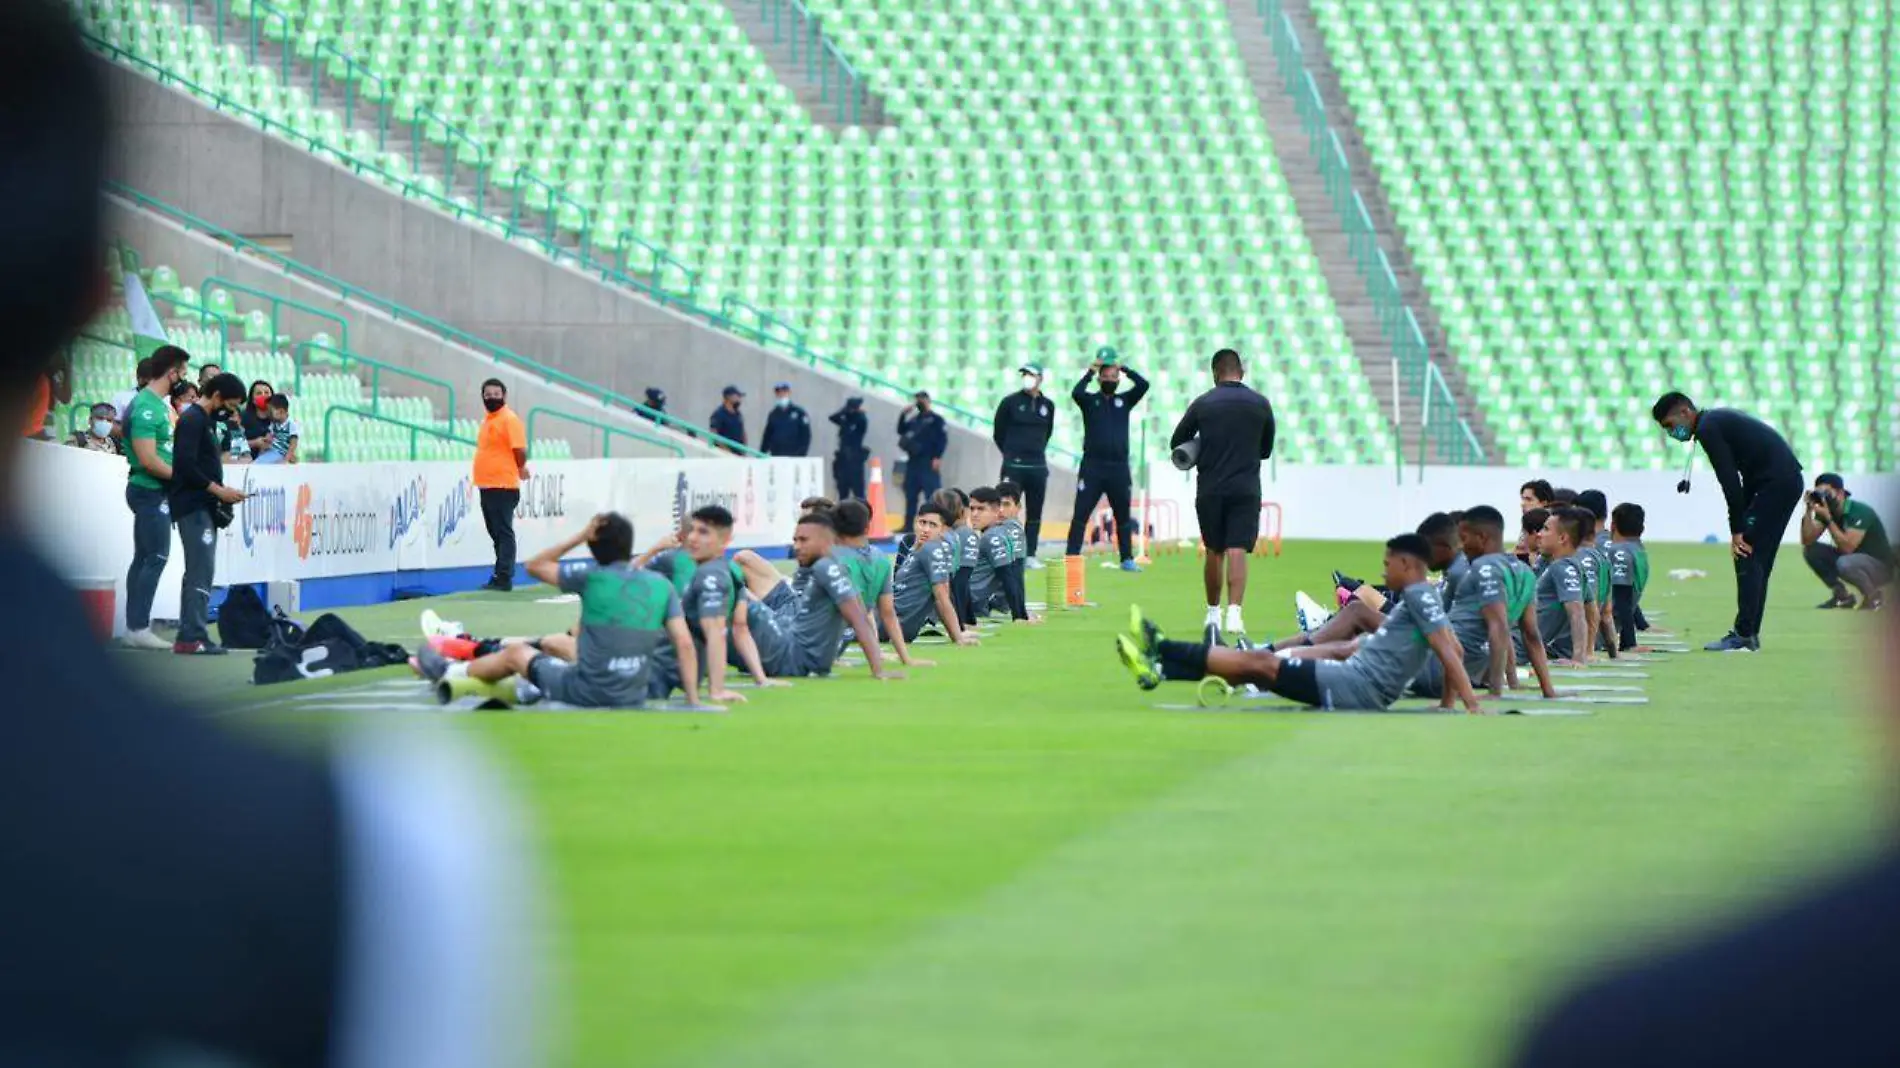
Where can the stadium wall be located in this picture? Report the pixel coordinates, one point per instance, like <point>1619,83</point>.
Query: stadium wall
<point>175,148</point>
<point>1337,503</point>
<point>359,533</point>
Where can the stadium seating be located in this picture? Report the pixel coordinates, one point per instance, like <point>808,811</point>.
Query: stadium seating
<point>366,426</point>
<point>1055,176</point>
<point>1612,199</point>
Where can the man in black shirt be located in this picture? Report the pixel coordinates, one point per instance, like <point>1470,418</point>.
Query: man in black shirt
<point>196,492</point>
<point>1761,480</point>
<point>787,428</point>
<point>847,464</point>
<point>1235,428</point>
<point>726,420</point>
<point>1105,470</point>
<point>1021,429</point>
<point>924,437</point>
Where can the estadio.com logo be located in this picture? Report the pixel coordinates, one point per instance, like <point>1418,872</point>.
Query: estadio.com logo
<point>322,531</point>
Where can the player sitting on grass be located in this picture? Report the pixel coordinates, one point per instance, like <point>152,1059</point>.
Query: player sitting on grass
<point>1012,523</point>
<point>1629,573</point>
<point>1495,594</point>
<point>1597,503</point>
<point>709,586</point>
<point>1561,609</point>
<point>990,577</point>
<point>626,616</point>
<point>799,635</point>
<point>1532,536</point>
<point>966,538</point>
<point>922,592</point>
<point>1363,606</point>
<point>1371,679</point>
<point>870,572</point>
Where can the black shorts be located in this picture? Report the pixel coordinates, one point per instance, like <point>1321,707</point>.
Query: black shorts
<point>1299,680</point>
<point>1228,522</point>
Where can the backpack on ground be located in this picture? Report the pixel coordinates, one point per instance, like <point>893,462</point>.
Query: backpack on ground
<point>243,622</point>
<point>328,647</point>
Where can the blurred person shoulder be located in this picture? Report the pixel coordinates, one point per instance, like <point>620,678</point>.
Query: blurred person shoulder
<point>1813,981</point>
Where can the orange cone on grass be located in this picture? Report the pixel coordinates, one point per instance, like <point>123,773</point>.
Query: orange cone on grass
<point>874,497</point>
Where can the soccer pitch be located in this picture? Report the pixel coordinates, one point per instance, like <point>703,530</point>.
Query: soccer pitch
<point>1014,858</point>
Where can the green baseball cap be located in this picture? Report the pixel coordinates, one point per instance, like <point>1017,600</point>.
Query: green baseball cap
<point>1030,369</point>
<point>1107,356</point>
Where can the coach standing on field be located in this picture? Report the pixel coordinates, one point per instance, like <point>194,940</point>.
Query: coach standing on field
<point>1021,429</point>
<point>1761,479</point>
<point>1105,470</point>
<point>1235,428</point>
<point>501,464</point>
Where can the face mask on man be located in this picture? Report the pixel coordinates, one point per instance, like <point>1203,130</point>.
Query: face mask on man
<point>493,404</point>
<point>1031,382</point>
<point>102,428</point>
<point>1681,433</point>
<point>784,402</point>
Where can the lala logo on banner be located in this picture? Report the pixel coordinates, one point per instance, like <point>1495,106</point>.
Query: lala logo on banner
<point>751,502</point>
<point>451,516</point>
<point>405,514</point>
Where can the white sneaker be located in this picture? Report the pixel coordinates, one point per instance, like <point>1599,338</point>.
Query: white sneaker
<point>1234,625</point>
<point>434,626</point>
<point>1310,614</point>
<point>1032,563</point>
<point>146,640</point>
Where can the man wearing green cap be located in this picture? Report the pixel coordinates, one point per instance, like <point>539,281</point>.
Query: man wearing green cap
<point>1023,424</point>
<point>1105,471</point>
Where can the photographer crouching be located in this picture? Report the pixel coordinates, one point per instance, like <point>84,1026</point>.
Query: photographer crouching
<point>201,505</point>
<point>1860,555</point>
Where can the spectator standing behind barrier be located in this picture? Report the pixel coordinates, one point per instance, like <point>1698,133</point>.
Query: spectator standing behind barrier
<point>1105,470</point>
<point>97,434</point>
<point>254,420</point>
<point>924,437</point>
<point>281,434</point>
<point>199,502</point>
<point>847,464</point>
<point>726,420</point>
<point>1860,555</point>
<point>1023,425</point>
<point>788,427</point>
<point>501,464</point>
<point>148,439</point>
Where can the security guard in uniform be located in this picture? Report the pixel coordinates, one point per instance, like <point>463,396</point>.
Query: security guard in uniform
<point>847,464</point>
<point>1105,470</point>
<point>1023,424</point>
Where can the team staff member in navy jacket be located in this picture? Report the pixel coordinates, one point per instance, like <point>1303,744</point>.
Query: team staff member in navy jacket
<point>726,420</point>
<point>1105,470</point>
<point>787,428</point>
<point>1761,480</point>
<point>924,437</point>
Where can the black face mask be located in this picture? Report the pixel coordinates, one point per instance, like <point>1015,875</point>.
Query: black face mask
<point>493,404</point>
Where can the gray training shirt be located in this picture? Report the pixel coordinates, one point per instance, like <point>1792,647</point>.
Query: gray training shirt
<point>914,592</point>
<point>818,628</point>
<point>1395,654</point>
<point>1455,573</point>
<point>624,611</point>
<point>1561,584</point>
<point>992,553</point>
<point>966,546</point>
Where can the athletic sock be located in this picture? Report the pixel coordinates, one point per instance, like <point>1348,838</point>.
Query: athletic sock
<point>1182,661</point>
<point>1213,617</point>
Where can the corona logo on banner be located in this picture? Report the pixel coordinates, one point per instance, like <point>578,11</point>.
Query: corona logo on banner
<point>406,512</point>
<point>263,514</point>
<point>304,524</point>
<point>451,516</point>
<point>543,497</point>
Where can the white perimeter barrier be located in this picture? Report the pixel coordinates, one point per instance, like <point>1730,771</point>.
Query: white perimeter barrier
<point>311,521</point>
<point>1338,503</point>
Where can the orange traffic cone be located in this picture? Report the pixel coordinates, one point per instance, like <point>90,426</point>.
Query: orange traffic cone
<point>1077,571</point>
<point>880,523</point>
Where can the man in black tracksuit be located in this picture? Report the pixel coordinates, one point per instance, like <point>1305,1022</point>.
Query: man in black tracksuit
<point>1761,480</point>
<point>847,464</point>
<point>1023,424</point>
<point>1105,470</point>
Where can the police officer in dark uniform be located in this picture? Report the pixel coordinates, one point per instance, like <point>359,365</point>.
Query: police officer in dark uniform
<point>1023,424</point>
<point>924,437</point>
<point>1105,470</point>
<point>787,428</point>
<point>726,420</point>
<point>847,464</point>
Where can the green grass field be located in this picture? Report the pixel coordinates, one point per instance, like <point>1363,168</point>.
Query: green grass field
<point>1013,858</point>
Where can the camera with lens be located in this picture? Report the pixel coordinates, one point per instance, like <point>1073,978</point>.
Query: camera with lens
<point>1817,498</point>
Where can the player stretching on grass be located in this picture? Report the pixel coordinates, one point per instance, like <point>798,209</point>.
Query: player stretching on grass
<point>870,572</point>
<point>1493,593</point>
<point>709,585</point>
<point>1561,611</point>
<point>626,616</point>
<point>921,592</point>
<point>798,635</point>
<point>1369,680</point>
<point>996,580</point>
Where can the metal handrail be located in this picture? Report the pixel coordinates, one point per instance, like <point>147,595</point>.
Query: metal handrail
<point>607,431</point>
<point>377,367</point>
<point>277,304</point>
<point>413,428</point>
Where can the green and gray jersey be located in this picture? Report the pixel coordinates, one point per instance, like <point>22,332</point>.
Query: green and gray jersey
<point>1486,582</point>
<point>1873,542</point>
<point>914,591</point>
<point>1588,562</point>
<point>706,591</point>
<point>966,542</point>
<point>1395,654</point>
<point>818,627</point>
<point>1455,573</point>
<point>993,553</point>
<point>624,611</point>
<point>1561,585</point>
<point>870,571</point>
<point>148,418</point>
<point>1018,539</point>
<point>1623,557</point>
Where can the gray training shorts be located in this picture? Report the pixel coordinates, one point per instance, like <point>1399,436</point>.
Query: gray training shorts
<point>556,679</point>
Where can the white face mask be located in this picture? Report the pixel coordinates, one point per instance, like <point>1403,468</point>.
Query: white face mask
<point>101,428</point>
<point>1031,382</point>
<point>785,402</point>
